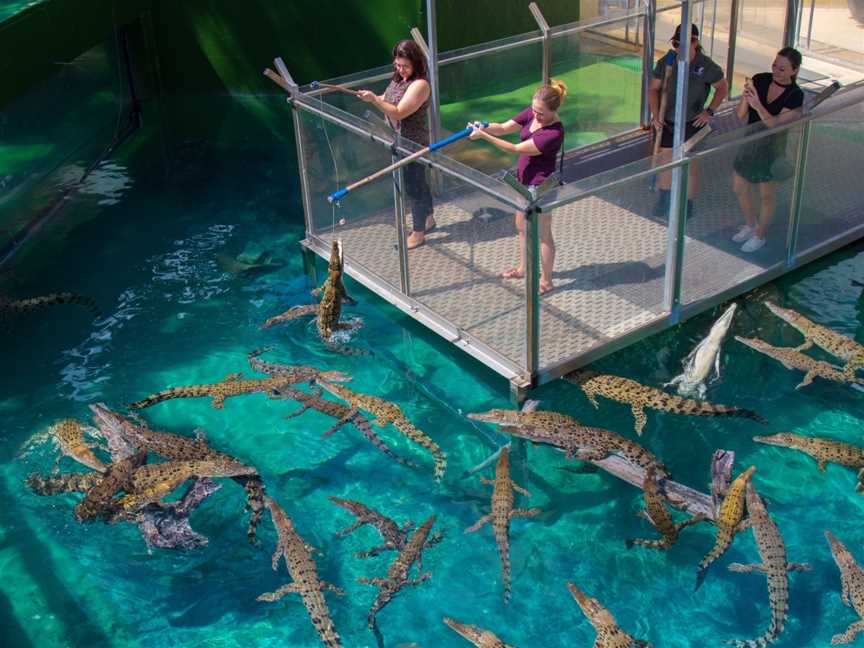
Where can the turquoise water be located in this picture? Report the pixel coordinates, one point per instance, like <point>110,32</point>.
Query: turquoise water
<point>173,317</point>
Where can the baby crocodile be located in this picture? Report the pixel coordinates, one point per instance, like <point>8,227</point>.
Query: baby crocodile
<point>69,436</point>
<point>609,633</point>
<point>502,513</point>
<point>659,516</point>
<point>477,636</point>
<point>397,573</point>
<point>304,573</point>
<point>343,413</point>
<point>837,345</point>
<point>329,311</point>
<point>794,359</point>
<point>639,397</point>
<point>294,373</point>
<point>772,551</point>
<point>394,537</point>
<point>99,500</point>
<point>386,412</point>
<point>729,522</point>
<point>582,442</point>
<point>53,299</point>
<point>232,385</point>
<point>824,451</point>
<point>851,587</point>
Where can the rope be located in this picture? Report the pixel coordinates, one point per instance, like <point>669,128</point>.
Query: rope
<point>335,203</point>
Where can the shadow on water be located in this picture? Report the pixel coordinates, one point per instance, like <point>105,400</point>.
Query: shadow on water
<point>12,630</point>
<point>61,602</point>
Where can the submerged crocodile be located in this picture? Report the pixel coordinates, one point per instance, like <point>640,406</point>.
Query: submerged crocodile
<point>477,636</point>
<point>824,451</point>
<point>304,575</point>
<point>99,500</point>
<point>851,587</point>
<point>294,373</point>
<point>609,633</point>
<point>386,412</point>
<point>328,311</point>
<point>659,516</point>
<point>66,483</point>
<point>344,416</point>
<point>729,520</point>
<point>502,513</point>
<point>704,357</point>
<point>53,299</point>
<point>794,359</point>
<point>639,396</point>
<point>397,573</point>
<point>837,345</point>
<point>124,437</point>
<point>579,441</point>
<point>232,385</point>
<point>772,551</point>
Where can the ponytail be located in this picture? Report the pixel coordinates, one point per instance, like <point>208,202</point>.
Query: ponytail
<point>552,94</point>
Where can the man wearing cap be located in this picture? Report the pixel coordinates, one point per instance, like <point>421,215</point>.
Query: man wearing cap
<point>704,75</point>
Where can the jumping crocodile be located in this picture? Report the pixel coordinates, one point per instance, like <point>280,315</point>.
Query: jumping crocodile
<point>232,385</point>
<point>794,359</point>
<point>824,451</point>
<point>706,354</point>
<point>579,441</point>
<point>386,412</point>
<point>304,575</point>
<point>344,416</point>
<point>729,520</point>
<point>397,573</point>
<point>502,513</point>
<point>53,299</point>
<point>123,436</point>
<point>639,397</point>
<point>99,500</point>
<point>477,636</point>
<point>294,373</point>
<point>609,633</point>
<point>851,587</point>
<point>659,516</point>
<point>772,551</point>
<point>328,311</point>
<point>837,345</point>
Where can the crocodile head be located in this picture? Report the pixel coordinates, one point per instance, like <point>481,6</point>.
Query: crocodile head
<point>591,608</point>
<point>498,416</point>
<point>782,313</point>
<point>336,258</point>
<point>782,439</point>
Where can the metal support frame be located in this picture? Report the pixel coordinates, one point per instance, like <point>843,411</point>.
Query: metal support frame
<point>547,41</point>
<point>432,46</point>
<point>648,61</point>
<point>532,291</point>
<point>399,208</point>
<point>733,32</point>
<point>791,23</point>
<point>797,194</point>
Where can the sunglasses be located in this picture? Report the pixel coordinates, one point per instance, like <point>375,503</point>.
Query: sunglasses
<point>676,42</point>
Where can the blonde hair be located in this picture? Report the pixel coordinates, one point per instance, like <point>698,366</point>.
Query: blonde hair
<point>552,94</point>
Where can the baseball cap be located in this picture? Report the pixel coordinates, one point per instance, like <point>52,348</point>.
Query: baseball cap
<point>677,35</point>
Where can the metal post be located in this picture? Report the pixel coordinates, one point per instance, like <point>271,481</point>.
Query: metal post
<point>435,104</point>
<point>682,78</point>
<point>532,290</point>
<point>797,194</point>
<point>713,27</point>
<point>733,31</point>
<point>547,41</point>
<point>648,61</point>
<point>809,23</point>
<point>790,33</point>
<point>399,209</point>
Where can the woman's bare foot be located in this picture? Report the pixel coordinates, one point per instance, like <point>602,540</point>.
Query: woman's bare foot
<point>546,286</point>
<point>513,273</point>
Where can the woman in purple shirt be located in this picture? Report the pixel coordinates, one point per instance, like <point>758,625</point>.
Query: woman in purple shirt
<point>541,135</point>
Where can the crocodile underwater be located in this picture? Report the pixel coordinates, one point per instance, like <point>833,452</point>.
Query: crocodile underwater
<point>824,451</point>
<point>609,633</point>
<point>232,385</point>
<point>502,512</point>
<point>772,551</point>
<point>17,306</point>
<point>386,412</point>
<point>659,516</point>
<point>99,500</point>
<point>794,359</point>
<point>729,521</point>
<point>638,397</point>
<point>837,345</point>
<point>304,574</point>
<point>851,587</point>
<point>477,636</point>
<point>293,373</point>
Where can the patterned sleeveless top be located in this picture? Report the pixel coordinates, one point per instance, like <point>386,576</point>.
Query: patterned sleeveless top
<point>414,127</point>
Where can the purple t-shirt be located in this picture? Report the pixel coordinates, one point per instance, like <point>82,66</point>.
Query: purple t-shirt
<point>534,169</point>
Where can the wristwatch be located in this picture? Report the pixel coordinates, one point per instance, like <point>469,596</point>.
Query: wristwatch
<point>710,111</point>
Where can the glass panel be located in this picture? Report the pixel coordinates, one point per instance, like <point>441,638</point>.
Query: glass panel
<point>375,80</point>
<point>9,8</point>
<point>457,272</point>
<point>609,269</point>
<point>333,158</point>
<point>832,30</point>
<point>754,177</point>
<point>833,202</point>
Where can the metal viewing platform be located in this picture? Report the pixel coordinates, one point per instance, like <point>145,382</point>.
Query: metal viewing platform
<point>621,272</point>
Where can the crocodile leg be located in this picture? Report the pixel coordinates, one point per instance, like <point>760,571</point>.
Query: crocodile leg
<point>808,378</point>
<point>298,411</point>
<point>525,513</point>
<point>849,635</point>
<point>806,344</point>
<point>479,523</point>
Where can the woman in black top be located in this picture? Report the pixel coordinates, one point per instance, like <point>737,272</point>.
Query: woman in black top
<point>771,98</point>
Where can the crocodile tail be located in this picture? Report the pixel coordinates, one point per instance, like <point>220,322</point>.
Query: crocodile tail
<point>34,303</point>
<point>719,549</point>
<point>662,544</point>
<point>439,457</point>
<point>167,394</point>
<point>769,637</point>
<point>504,552</point>
<point>292,313</point>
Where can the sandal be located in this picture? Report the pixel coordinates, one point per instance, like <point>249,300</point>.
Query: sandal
<point>512,273</point>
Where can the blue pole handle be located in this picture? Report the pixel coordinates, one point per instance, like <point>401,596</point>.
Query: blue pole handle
<point>455,136</point>
<point>336,195</point>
